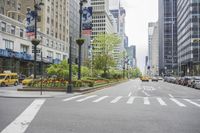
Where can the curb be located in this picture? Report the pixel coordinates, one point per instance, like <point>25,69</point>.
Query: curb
<point>83,91</point>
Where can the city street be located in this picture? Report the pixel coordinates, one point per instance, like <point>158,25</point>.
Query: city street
<point>130,107</point>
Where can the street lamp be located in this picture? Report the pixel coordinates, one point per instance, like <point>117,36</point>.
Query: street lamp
<point>35,42</point>
<point>80,41</point>
<point>69,87</point>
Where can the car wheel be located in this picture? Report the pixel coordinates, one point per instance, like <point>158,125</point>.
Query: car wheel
<point>3,84</point>
<point>16,83</point>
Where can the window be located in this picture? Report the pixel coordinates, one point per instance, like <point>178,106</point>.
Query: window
<point>3,26</point>
<point>48,31</point>
<point>58,56</point>
<point>21,32</point>
<point>47,42</point>
<point>8,44</point>
<point>19,6</point>
<point>8,2</point>
<point>48,20</point>
<point>13,30</point>
<point>24,48</point>
<point>50,54</point>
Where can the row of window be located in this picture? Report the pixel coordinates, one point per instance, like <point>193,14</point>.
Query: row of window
<point>11,29</point>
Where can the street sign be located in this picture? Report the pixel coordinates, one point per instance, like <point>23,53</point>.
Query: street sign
<point>37,51</point>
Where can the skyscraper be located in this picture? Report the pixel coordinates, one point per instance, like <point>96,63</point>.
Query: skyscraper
<point>153,48</point>
<point>168,37</point>
<point>188,22</point>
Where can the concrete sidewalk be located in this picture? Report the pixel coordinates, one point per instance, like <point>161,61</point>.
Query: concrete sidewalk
<point>11,92</point>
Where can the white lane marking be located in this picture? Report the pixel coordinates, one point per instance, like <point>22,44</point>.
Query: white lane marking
<point>161,102</point>
<point>177,102</point>
<point>146,93</point>
<point>71,98</point>
<point>116,99</point>
<point>196,104</point>
<point>100,99</point>
<point>21,123</point>
<point>146,101</point>
<point>83,99</point>
<point>171,95</point>
<point>129,94</point>
<point>130,100</point>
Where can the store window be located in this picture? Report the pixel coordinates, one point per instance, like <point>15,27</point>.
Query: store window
<point>8,44</point>
<point>24,48</point>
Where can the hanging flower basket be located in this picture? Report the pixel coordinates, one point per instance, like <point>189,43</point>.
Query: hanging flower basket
<point>80,41</point>
<point>35,41</point>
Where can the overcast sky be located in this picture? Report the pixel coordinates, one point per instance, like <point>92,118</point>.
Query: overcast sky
<point>138,14</point>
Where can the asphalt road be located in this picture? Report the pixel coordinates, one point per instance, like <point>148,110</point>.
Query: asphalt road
<point>131,107</point>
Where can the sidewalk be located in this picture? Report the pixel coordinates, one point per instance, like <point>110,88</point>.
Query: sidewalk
<point>11,92</point>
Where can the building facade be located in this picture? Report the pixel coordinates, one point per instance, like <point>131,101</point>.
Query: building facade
<point>101,20</point>
<point>188,22</point>
<point>131,52</point>
<point>168,60</point>
<point>53,30</point>
<point>153,48</point>
<point>74,19</point>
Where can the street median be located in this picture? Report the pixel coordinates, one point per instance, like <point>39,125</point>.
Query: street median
<point>76,89</point>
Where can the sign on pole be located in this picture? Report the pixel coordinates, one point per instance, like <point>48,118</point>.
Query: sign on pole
<point>30,23</point>
<point>87,21</point>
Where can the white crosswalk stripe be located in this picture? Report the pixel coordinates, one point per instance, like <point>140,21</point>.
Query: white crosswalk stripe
<point>196,104</point>
<point>83,99</point>
<point>146,101</point>
<point>161,101</point>
<point>130,100</point>
<point>177,102</point>
<point>71,98</point>
<point>100,99</point>
<point>116,99</point>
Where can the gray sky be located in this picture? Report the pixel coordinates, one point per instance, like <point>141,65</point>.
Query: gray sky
<point>138,14</point>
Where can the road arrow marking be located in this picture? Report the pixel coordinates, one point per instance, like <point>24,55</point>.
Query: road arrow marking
<point>116,99</point>
<point>21,123</point>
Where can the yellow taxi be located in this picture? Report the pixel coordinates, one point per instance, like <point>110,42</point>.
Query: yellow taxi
<point>27,80</point>
<point>145,78</point>
<point>9,79</point>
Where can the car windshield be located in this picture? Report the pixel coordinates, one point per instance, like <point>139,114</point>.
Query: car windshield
<point>2,77</point>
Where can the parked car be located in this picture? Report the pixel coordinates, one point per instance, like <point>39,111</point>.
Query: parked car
<point>160,78</point>
<point>172,80</point>
<point>197,85</point>
<point>9,79</point>
<point>178,80</point>
<point>193,81</point>
<point>185,80</point>
<point>154,79</point>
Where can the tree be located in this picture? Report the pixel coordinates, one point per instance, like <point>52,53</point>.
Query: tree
<point>135,73</point>
<point>104,43</point>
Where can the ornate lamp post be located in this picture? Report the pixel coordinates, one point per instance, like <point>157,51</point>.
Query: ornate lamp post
<point>80,41</point>
<point>35,41</point>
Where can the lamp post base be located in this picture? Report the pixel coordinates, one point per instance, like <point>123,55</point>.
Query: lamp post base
<point>69,88</point>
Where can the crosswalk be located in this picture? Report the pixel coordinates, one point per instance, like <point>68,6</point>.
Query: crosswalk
<point>134,99</point>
